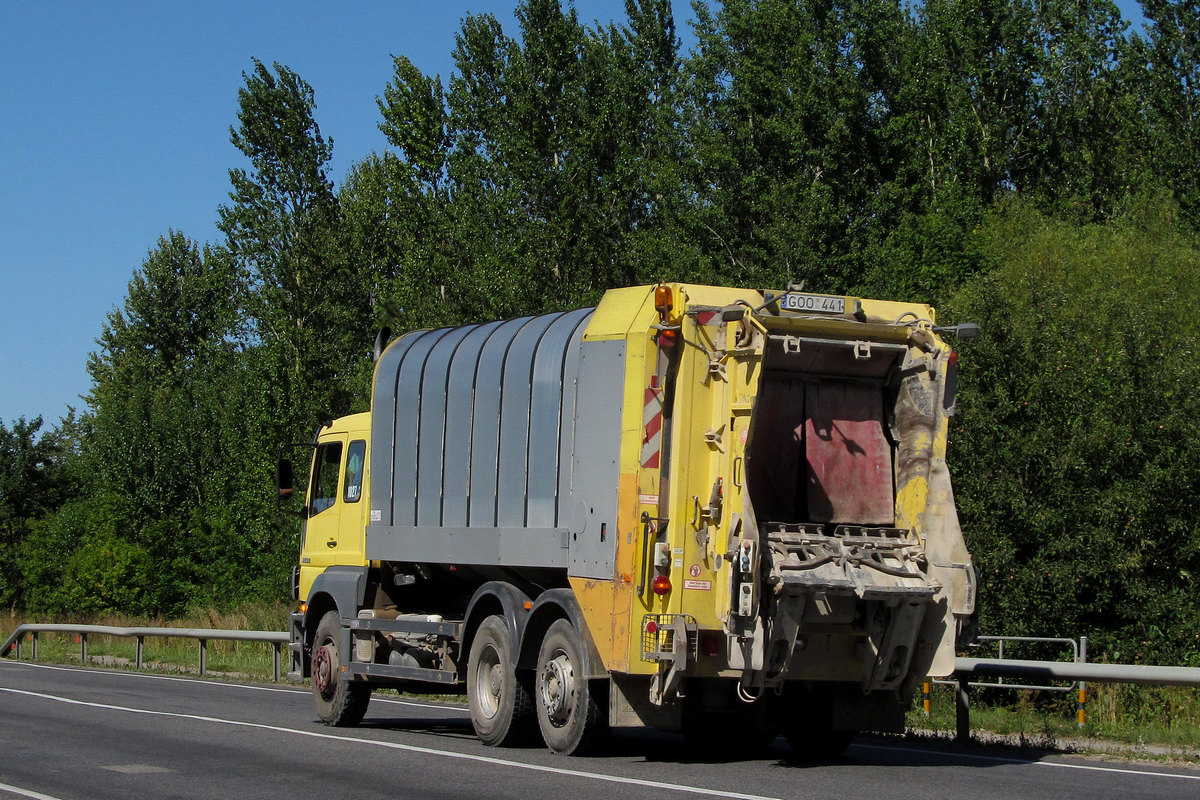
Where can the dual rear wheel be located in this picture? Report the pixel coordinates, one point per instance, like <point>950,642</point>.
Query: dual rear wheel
<point>509,707</point>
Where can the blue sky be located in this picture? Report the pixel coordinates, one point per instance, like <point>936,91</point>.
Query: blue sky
<point>116,130</point>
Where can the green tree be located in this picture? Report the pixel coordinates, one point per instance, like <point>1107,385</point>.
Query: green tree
<point>786,111</point>
<point>33,482</point>
<point>396,208</point>
<point>1076,444</point>
<point>1088,113</point>
<point>304,303</point>
<point>152,439</point>
<point>156,355</point>
<point>544,174</point>
<point>1167,71</point>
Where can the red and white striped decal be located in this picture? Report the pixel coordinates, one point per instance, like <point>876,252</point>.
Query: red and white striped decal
<point>652,421</point>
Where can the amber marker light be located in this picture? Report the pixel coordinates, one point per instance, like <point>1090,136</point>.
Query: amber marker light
<point>663,301</point>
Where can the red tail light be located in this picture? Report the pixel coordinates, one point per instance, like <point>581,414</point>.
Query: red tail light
<point>661,585</point>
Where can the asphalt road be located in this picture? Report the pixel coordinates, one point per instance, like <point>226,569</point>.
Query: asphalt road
<point>70,734</point>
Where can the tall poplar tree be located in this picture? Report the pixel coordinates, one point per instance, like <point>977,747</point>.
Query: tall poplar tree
<point>1169,58</point>
<point>305,304</point>
<point>785,122</point>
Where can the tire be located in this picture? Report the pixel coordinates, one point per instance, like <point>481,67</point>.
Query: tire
<point>808,726</point>
<point>500,702</point>
<point>571,720</point>
<point>815,744</point>
<point>730,731</point>
<point>340,702</point>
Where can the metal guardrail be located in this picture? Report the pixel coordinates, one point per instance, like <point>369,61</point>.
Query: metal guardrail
<point>965,668</point>
<point>202,635</point>
<point>1078,655</point>
<point>1066,671</point>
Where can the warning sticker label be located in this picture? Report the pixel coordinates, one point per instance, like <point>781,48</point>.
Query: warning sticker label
<point>702,586</point>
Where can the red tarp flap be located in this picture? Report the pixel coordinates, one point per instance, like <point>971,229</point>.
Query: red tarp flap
<point>849,457</point>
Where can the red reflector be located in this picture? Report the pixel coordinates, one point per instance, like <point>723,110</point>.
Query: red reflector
<point>661,585</point>
<point>651,627</point>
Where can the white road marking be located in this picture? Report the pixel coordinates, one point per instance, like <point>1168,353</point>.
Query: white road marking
<point>1058,764</point>
<point>4,787</point>
<point>279,689</point>
<point>136,769</point>
<point>595,776</point>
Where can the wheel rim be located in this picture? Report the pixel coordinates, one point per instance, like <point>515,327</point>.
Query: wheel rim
<point>324,669</point>
<point>557,687</point>
<point>489,682</point>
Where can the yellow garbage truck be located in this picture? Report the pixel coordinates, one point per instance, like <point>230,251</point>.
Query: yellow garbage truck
<point>715,511</point>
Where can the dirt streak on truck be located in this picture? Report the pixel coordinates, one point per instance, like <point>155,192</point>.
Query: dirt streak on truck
<point>717,511</point>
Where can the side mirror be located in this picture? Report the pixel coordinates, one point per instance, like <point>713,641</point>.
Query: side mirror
<point>965,330</point>
<point>968,330</point>
<point>285,480</point>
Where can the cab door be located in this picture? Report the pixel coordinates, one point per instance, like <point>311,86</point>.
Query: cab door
<point>333,532</point>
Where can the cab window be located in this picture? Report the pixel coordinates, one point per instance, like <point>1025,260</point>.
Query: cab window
<point>325,482</point>
<point>355,456</point>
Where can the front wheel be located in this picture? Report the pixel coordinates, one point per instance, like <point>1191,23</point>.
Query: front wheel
<point>340,702</point>
<point>571,719</point>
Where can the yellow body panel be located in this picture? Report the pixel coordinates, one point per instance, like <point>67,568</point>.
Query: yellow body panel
<point>716,371</point>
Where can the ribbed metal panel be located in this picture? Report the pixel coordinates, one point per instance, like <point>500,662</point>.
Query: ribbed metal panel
<point>553,401</point>
<point>460,402</point>
<point>433,436</point>
<point>474,428</point>
<point>485,426</point>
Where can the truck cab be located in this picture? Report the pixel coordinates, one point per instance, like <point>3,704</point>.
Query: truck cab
<point>336,502</point>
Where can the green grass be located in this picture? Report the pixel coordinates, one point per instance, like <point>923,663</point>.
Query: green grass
<point>1132,716</point>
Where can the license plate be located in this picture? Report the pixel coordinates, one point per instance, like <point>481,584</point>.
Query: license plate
<point>819,303</point>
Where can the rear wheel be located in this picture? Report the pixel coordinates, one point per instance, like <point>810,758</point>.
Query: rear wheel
<point>717,723</point>
<point>807,725</point>
<point>500,703</point>
<point>571,719</point>
<point>340,702</point>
